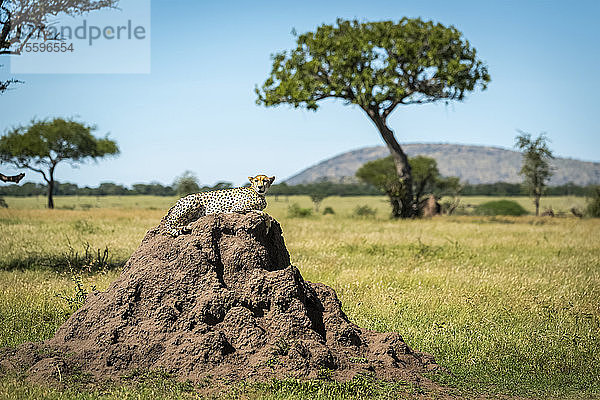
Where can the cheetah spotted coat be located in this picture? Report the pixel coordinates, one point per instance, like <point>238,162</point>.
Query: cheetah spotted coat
<point>194,206</point>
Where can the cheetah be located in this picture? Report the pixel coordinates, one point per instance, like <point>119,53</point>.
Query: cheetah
<point>244,199</point>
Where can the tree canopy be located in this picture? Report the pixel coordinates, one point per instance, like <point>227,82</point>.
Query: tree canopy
<point>376,66</point>
<point>381,174</point>
<point>43,144</point>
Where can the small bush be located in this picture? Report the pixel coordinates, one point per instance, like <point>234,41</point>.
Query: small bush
<point>3,203</point>
<point>281,348</point>
<point>79,294</point>
<point>364,211</point>
<point>295,211</point>
<point>89,260</point>
<point>328,210</point>
<point>500,207</point>
<point>593,203</point>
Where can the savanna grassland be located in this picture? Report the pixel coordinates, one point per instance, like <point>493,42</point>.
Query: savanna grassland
<point>508,305</point>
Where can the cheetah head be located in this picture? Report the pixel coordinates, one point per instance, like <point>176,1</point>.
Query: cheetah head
<point>261,183</point>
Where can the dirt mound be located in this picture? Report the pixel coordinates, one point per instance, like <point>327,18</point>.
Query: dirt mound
<point>222,301</point>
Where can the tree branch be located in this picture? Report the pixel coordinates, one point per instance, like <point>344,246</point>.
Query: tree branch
<point>34,15</point>
<point>13,178</point>
<point>25,165</point>
<point>421,101</point>
<point>389,109</point>
<point>4,85</point>
<point>323,96</point>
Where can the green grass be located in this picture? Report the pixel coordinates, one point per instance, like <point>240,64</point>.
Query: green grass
<point>509,305</point>
<point>159,385</point>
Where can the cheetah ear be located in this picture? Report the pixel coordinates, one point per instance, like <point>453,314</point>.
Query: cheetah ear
<point>250,178</point>
<point>271,179</point>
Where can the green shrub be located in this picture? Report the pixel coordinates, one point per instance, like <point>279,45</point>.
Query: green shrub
<point>364,211</point>
<point>593,203</point>
<point>89,260</point>
<point>79,294</point>
<point>500,207</point>
<point>328,210</point>
<point>295,211</point>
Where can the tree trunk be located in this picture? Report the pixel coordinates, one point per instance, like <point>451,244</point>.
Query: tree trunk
<point>453,206</point>
<point>537,205</point>
<point>51,194</point>
<point>396,206</point>
<point>51,187</point>
<point>406,201</point>
<point>407,207</point>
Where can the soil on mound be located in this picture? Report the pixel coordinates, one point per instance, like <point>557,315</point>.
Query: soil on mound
<point>222,301</point>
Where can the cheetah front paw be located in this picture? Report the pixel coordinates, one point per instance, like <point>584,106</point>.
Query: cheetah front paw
<point>267,218</point>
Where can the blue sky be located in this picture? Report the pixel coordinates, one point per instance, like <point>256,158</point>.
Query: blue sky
<point>196,109</point>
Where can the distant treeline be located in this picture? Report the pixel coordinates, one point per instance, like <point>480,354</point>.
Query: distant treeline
<point>517,189</point>
<point>70,189</point>
<point>327,188</point>
<point>482,189</point>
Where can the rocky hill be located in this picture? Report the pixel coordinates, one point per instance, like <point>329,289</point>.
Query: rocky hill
<point>473,164</point>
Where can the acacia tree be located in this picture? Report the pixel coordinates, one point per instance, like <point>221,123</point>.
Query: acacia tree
<point>24,20</point>
<point>318,193</point>
<point>426,179</point>
<point>43,144</point>
<point>536,167</point>
<point>376,66</point>
<point>186,184</point>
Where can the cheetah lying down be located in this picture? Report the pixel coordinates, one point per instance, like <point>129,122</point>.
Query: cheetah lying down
<point>244,199</point>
